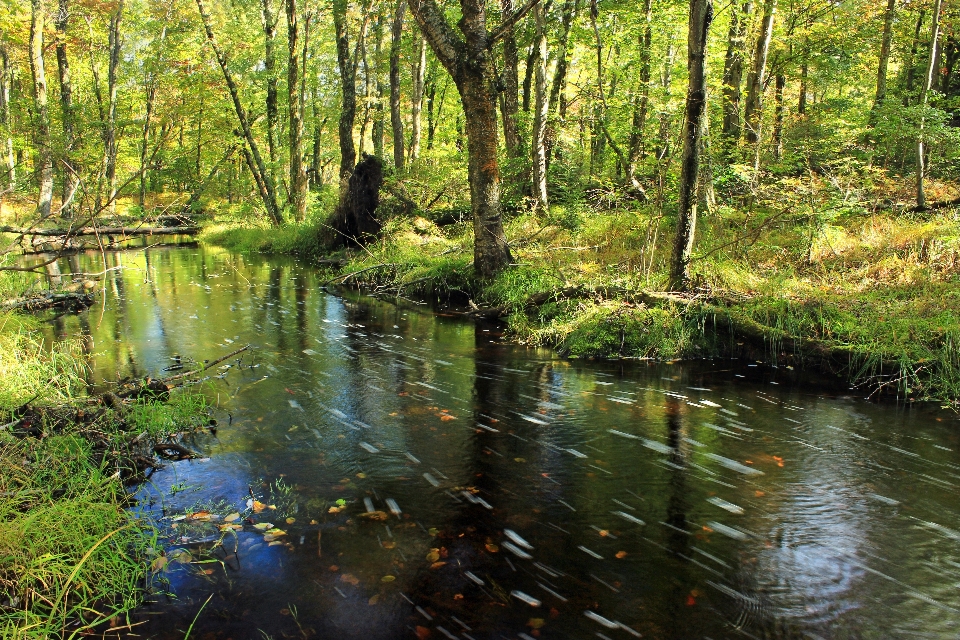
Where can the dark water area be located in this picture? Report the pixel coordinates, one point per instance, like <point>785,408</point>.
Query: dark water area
<point>488,490</point>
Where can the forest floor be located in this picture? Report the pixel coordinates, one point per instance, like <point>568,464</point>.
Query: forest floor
<point>816,280</point>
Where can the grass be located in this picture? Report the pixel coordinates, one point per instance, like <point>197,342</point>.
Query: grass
<point>71,555</point>
<point>805,270</point>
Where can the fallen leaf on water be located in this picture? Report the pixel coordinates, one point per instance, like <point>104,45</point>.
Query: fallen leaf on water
<point>437,565</point>
<point>290,520</point>
<point>389,544</point>
<point>621,554</point>
<point>199,515</point>
<point>274,543</point>
<point>258,506</point>
<point>284,611</point>
<point>375,515</point>
<point>374,599</point>
<point>423,633</point>
<point>519,459</point>
<point>208,572</point>
<point>349,578</point>
<point>604,533</point>
<point>180,555</point>
<point>535,623</point>
<point>361,475</point>
<point>159,564</point>
<point>492,548</point>
<point>334,509</point>
<point>458,596</point>
<point>388,578</point>
<point>434,555</point>
<point>263,526</point>
<point>334,567</point>
<point>433,531</point>
<point>232,517</point>
<point>447,417</point>
<point>231,527</point>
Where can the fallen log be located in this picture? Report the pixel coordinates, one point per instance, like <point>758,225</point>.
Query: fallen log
<point>942,204</point>
<point>70,301</point>
<point>103,231</point>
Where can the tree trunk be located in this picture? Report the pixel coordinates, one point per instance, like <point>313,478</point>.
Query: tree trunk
<point>804,73</point>
<point>468,61</point>
<point>924,97</point>
<point>756,79</point>
<point>270,20</point>
<point>884,58</point>
<point>541,111</point>
<point>298,176</point>
<point>663,136</point>
<point>150,97</point>
<point>44,155</point>
<point>396,119</point>
<point>733,73</point>
<point>781,83</point>
<point>557,89</point>
<point>509,100</point>
<point>348,85</point>
<point>251,151</point>
<point>8,158</point>
<point>642,99</point>
<point>70,176</point>
<point>701,15</point>
<point>110,132</point>
<point>416,99</point>
<point>528,78</point>
<point>377,132</point>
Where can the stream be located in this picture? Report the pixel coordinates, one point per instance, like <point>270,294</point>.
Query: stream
<point>425,478</point>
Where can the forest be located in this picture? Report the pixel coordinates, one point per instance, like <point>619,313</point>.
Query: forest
<point>776,181</point>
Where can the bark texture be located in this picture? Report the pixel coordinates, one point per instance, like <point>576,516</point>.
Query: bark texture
<point>733,71</point>
<point>541,110</point>
<point>757,78</point>
<point>701,15</point>
<point>885,43</point>
<point>44,153</point>
<point>467,59</point>
<point>70,177</point>
<point>348,82</point>
<point>396,119</point>
<point>924,98</point>
<point>298,175</point>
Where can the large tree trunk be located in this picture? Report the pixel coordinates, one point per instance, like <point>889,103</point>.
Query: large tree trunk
<point>70,176</point>
<point>733,72</point>
<point>270,20</point>
<point>396,119</point>
<point>5,129</point>
<point>804,76</point>
<point>110,131</point>
<point>666,120</point>
<point>881,94</point>
<point>778,112</point>
<point>298,176</point>
<point>348,86</point>
<point>509,99</point>
<point>541,111</point>
<point>912,59</point>
<point>701,15</point>
<point>251,151</point>
<point>42,116</point>
<point>642,99</point>
<point>756,79</point>
<point>924,97</point>
<point>468,61</point>
<point>416,99</point>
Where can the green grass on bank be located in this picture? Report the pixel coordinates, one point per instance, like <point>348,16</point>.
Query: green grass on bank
<point>824,281</point>
<point>71,555</point>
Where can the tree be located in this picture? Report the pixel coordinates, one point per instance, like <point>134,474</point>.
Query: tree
<point>509,97</point>
<point>396,119</point>
<point>733,72</point>
<point>885,43</point>
<point>110,127</point>
<point>298,175</point>
<point>540,113</point>
<point>7,151</point>
<point>468,60</point>
<point>42,123</point>
<point>251,150</point>
<point>924,99</point>
<point>757,78</point>
<point>701,15</point>
<point>70,175</point>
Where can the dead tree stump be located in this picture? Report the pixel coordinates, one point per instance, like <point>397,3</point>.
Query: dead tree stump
<point>355,221</point>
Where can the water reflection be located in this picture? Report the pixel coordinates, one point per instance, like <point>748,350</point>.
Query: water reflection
<point>664,500</point>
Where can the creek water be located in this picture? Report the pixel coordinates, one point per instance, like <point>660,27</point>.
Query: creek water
<point>514,494</point>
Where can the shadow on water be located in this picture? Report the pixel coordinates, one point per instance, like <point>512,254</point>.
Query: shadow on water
<point>431,481</point>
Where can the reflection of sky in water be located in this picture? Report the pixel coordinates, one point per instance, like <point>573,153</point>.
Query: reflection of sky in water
<point>845,533</point>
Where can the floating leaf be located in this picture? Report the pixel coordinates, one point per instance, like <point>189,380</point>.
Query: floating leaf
<point>388,578</point>
<point>349,578</point>
<point>341,502</point>
<point>374,599</point>
<point>263,526</point>
<point>233,517</point>
<point>423,633</point>
<point>374,515</point>
<point>433,531</point>
<point>258,506</point>
<point>437,565</point>
<point>361,475</point>
<point>389,544</point>
<point>180,555</point>
<point>621,554</point>
<point>290,520</point>
<point>535,623</point>
<point>434,555</point>
<point>159,564</point>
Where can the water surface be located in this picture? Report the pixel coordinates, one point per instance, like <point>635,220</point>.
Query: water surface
<point>717,499</point>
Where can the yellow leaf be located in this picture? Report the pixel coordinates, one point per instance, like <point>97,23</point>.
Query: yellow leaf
<point>159,564</point>
<point>374,599</point>
<point>535,623</point>
<point>437,565</point>
<point>232,517</point>
<point>388,578</point>
<point>258,506</point>
<point>263,526</point>
<point>349,578</point>
<point>434,555</point>
<point>291,520</point>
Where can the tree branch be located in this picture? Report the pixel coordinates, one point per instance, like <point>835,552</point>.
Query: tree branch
<point>435,28</point>
<point>509,22</point>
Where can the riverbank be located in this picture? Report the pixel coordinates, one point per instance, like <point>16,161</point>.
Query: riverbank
<point>72,554</point>
<point>873,297</point>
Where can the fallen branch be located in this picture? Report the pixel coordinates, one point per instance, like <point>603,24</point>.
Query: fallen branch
<point>103,231</point>
<point>71,301</point>
<point>942,204</point>
<point>342,278</point>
